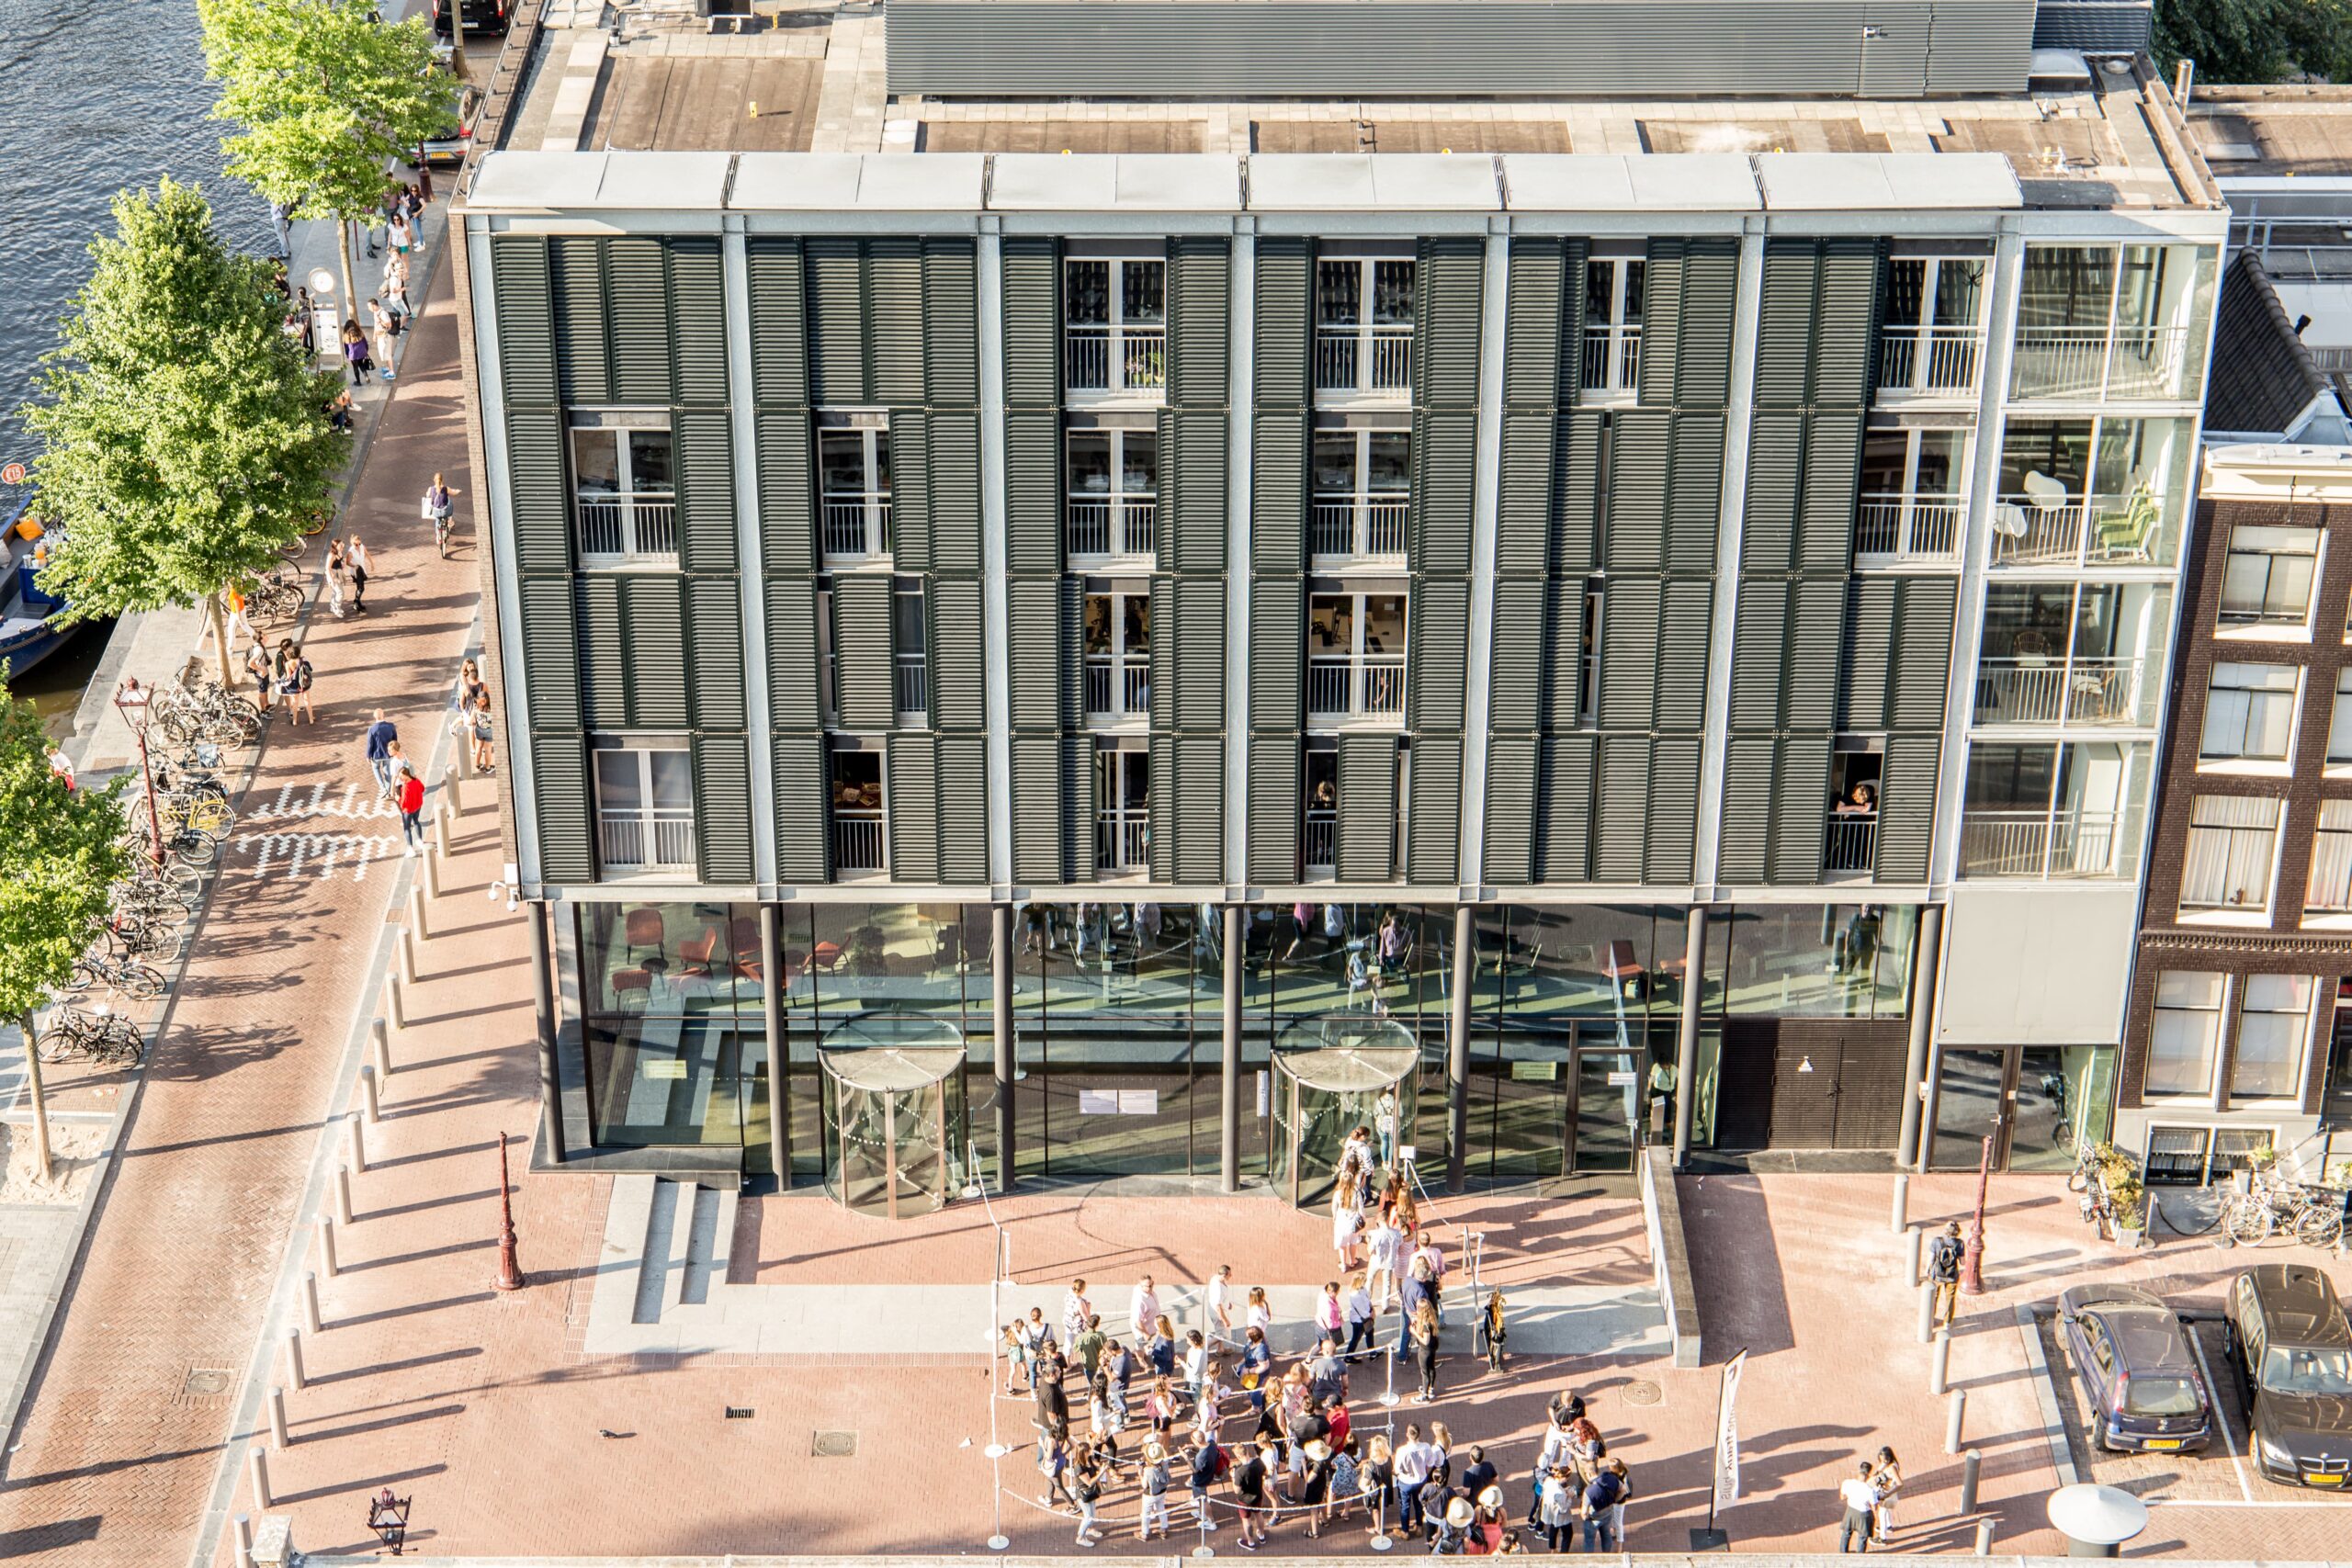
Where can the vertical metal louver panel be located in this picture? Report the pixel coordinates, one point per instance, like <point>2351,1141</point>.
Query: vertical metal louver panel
<point>1906,811</point>
<point>1702,349</point>
<point>1816,625</point>
<point>1686,617</point>
<point>1078,809</point>
<point>1199,278</point>
<point>1760,632</point>
<point>576,290</point>
<point>1750,770</point>
<point>1523,516</point>
<point>801,836</point>
<point>1639,443</point>
<point>1672,846</point>
<point>963,809</point>
<point>1160,815</point>
<point>1561,676</point>
<point>1274,801</point>
<point>1833,456</point>
<point>704,443</point>
<point>1784,323</point>
<point>792,653</point>
<point>1167,653</point>
<point>551,653</point>
<point>1511,763</point>
<point>1071,593</point>
<point>560,792</point>
<point>653,648</point>
<point>864,675</point>
<point>1280,331</point>
<point>722,766</point>
<point>1199,623</point>
<point>1037,809</point>
<point>951,325</point>
<point>518,264</point>
<point>1629,652</point>
<point>893,315</point>
<point>834,274</point>
<point>1366,829</point>
<point>1444,458</point>
<point>1433,814</point>
<point>953,491</point>
<point>1278,491</point>
<point>1437,636</point>
<point>1923,652</point>
<point>1865,698</point>
<point>779,318</point>
<point>1694,493</point>
<point>538,491</point>
<point>1032,277</point>
<point>1447,307</point>
<point>1533,323</point>
<point>787,505</point>
<point>1622,809</point>
<point>1188,796</point>
<point>714,674</point>
<point>636,304</point>
<point>1661,321</point>
<point>1768,529</point>
<point>1516,688</point>
<point>1033,490</point>
<point>1564,826</point>
<point>1801,800</point>
<point>1193,490</point>
<point>1034,625</point>
<point>914,808</point>
<point>959,664</point>
<point>698,318</point>
<point>1277,641</point>
<point>601,652</point>
<point>1577,468</point>
<point>910,546</point>
<point>1848,309</point>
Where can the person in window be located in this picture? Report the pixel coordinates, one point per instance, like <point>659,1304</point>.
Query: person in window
<point>1326,797</point>
<point>1859,801</point>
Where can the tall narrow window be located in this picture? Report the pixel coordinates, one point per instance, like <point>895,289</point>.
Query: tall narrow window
<point>2274,1019</point>
<point>858,837</point>
<point>645,803</point>
<point>853,470</point>
<point>2330,892</point>
<point>1121,807</point>
<point>1355,655</point>
<point>1613,325</point>
<point>1929,342</point>
<point>2249,713</point>
<point>1118,655</point>
<point>1589,655</point>
<point>1321,804</point>
<point>2232,849</point>
<point>624,497</point>
<point>2186,1035</point>
<point>910,641</point>
<point>1914,496</point>
<point>1364,325</point>
<point>2340,728</point>
<point>1362,488</point>
<point>1113,485</point>
<point>1114,325</point>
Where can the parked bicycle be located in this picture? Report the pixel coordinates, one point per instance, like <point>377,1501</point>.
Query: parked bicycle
<point>124,976</point>
<point>2271,1205</point>
<point>94,1034</point>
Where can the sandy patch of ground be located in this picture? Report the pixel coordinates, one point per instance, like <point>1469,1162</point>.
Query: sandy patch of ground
<point>73,1159</point>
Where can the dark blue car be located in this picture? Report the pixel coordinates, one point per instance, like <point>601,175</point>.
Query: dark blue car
<point>2134,1356</point>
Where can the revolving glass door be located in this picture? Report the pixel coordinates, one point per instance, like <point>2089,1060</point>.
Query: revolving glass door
<point>1337,1072</point>
<point>895,1112</point>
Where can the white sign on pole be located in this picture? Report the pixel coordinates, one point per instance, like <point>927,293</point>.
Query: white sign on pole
<point>1727,1434</point>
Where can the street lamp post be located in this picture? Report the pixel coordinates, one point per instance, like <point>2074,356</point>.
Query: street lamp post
<point>130,700</point>
<point>510,1273</point>
<point>1972,1255</point>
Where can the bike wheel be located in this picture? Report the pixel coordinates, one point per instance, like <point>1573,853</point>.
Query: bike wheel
<point>2320,1225</point>
<point>138,981</point>
<point>2249,1221</point>
<point>158,943</point>
<point>207,814</point>
<point>2078,1179</point>
<point>61,1041</point>
<point>85,975</point>
<point>194,849</point>
<point>118,1042</point>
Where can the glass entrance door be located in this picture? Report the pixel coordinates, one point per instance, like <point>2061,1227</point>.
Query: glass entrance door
<point>1972,1097</point>
<point>1604,1109</point>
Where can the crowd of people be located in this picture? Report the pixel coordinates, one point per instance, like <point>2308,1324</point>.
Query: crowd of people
<point>365,345</point>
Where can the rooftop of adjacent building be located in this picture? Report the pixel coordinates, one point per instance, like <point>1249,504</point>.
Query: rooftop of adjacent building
<point>2092,134</point>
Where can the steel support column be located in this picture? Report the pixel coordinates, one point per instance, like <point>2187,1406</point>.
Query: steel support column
<point>1914,1064</point>
<point>1229,1106</point>
<point>1457,1055</point>
<point>1686,1041</point>
<point>771,1019</point>
<point>543,1004</point>
<point>1000,1018</point>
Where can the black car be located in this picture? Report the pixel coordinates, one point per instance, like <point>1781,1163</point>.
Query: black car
<point>2292,1348</point>
<point>480,15</point>
<point>2136,1364</point>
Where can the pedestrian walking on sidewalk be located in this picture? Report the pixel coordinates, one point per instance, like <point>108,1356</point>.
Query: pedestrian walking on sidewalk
<point>1861,1500</point>
<point>355,352</point>
<point>292,674</point>
<point>381,737</point>
<point>1943,1269</point>
<point>338,581</point>
<point>439,503</point>
<point>355,551</point>
<point>412,803</point>
<point>395,294</point>
<point>404,232</point>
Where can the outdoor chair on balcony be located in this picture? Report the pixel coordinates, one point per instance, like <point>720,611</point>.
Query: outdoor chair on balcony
<point>2126,534</point>
<point>2046,493</point>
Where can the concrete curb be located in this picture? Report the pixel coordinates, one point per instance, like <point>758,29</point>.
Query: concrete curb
<point>2053,1425</point>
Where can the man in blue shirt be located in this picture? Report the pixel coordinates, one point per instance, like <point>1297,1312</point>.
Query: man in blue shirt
<point>380,736</point>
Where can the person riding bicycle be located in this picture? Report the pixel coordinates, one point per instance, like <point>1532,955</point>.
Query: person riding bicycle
<point>438,504</point>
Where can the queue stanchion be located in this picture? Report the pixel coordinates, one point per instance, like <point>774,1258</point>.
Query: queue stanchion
<point>1380,1541</point>
<point>1205,1548</point>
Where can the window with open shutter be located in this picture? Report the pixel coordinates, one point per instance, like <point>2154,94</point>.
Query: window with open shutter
<point>863,671</point>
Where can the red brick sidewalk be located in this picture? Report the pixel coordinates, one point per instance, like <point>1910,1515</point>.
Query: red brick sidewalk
<point>124,1425</point>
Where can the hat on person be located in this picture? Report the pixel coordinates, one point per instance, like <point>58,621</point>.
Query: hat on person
<point>1317,1450</point>
<point>1457,1513</point>
<point>1492,1497</point>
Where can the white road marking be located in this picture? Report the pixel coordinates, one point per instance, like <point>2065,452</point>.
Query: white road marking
<point>2222,1416</point>
<point>358,850</point>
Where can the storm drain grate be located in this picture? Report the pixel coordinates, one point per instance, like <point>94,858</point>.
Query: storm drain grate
<point>834,1445</point>
<point>1643,1394</point>
<point>207,1382</point>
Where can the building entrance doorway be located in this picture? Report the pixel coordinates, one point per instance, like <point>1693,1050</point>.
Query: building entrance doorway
<point>1339,1072</point>
<point>1810,1084</point>
<point>2038,1103</point>
<point>895,1113</point>
<point>1604,1104</point>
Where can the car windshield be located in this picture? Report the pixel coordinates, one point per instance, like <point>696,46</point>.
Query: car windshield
<point>2161,1396</point>
<point>2286,1370</point>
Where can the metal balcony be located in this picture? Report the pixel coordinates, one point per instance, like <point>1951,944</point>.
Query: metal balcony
<point>627,528</point>
<point>1351,528</point>
<point>1929,361</point>
<point>2030,845</point>
<point>1909,529</point>
<point>1114,359</point>
<point>1101,528</point>
<point>646,840</point>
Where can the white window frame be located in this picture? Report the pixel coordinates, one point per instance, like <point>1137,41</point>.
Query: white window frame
<point>2338,762</point>
<point>1118,681</point>
<point>644,525</point>
<point>1369,673</point>
<point>1367,528</point>
<point>2169,333</point>
<point>655,826</point>
<point>871,504</point>
<point>2261,628</point>
<point>2210,1022</point>
<point>2236,708</point>
<point>1616,377</point>
<point>1920,527</point>
<point>1365,359</point>
<point>2224,830</point>
<point>1596,610</point>
<point>2328,891</point>
<point>1926,359</point>
<point>1319,823</point>
<point>2247,989</point>
<point>1122,821</point>
<point>1133,354</point>
<point>910,672</point>
<point>1128,514</point>
<point>836,748</point>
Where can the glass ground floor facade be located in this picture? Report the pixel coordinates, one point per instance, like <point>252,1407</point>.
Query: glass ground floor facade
<point>1581,1029</point>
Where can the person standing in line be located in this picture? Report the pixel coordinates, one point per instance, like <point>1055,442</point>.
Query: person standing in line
<point>1076,1311</point>
<point>1330,1316</point>
<point>385,332</point>
<point>355,351</point>
<point>1429,1255</point>
<point>1383,1248</point>
<point>1142,1308</point>
<point>1262,1313</point>
<point>1195,1364</point>
<point>1886,1480</point>
<point>1425,1347</point>
<point>1556,1508</point>
<point>1361,1319</point>
<point>1861,1499</point>
<point>394,293</point>
<point>1088,1347</point>
<point>1943,1269</point>
<point>1153,1486</point>
<point>1249,1489</point>
<point>1413,1461</point>
<point>363,566</point>
<point>1257,1360</point>
<point>1346,1215</point>
<point>1377,1482</point>
<point>1315,1486</point>
<point>1220,1307</point>
<point>1604,1500</point>
<point>1052,1399</point>
<point>412,803</point>
<point>1105,1419</point>
<point>1208,1462</point>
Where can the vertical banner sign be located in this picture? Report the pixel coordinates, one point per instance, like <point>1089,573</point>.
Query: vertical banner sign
<point>1726,1488</point>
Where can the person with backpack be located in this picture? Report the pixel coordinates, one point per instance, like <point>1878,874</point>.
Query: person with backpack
<point>1943,1272</point>
<point>294,676</point>
<point>1209,1461</point>
<point>1153,1484</point>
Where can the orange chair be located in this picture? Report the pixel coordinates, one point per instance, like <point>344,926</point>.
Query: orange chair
<point>642,932</point>
<point>698,953</point>
<point>630,984</point>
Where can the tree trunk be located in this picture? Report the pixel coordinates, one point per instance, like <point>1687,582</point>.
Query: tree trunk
<point>220,640</point>
<point>40,1106</point>
<point>342,253</point>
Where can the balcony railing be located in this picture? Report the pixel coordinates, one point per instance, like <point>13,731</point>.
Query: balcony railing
<point>646,840</point>
<point>1604,371</point>
<point>1850,844</point>
<point>2085,362</point>
<point>913,693</point>
<point>1363,359</point>
<point>1136,356</point>
<point>627,526</point>
<point>1918,527</point>
<point>1117,527</point>
<point>2029,844</point>
<point>1373,526</point>
<point>857,525</point>
<point>1122,840</point>
<point>2032,690</point>
<point>1322,829</point>
<point>857,840</point>
<point>2104,530</point>
<point>1117,685</point>
<point>1928,361</point>
<point>1341,687</point>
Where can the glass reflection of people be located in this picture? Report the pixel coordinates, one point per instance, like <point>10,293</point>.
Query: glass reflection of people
<point>1858,943</point>
<point>867,952</point>
<point>1661,1090</point>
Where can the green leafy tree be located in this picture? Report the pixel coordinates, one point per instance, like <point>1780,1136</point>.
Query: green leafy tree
<point>185,437</point>
<point>2256,40</point>
<point>60,847</point>
<point>325,97</point>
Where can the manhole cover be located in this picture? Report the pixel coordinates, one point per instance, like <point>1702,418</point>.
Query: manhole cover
<point>1642,1394</point>
<point>206,1383</point>
<point>834,1445</point>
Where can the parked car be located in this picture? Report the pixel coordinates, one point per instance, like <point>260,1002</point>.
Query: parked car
<point>449,150</point>
<point>480,15</point>
<point>2288,1339</point>
<point>2135,1361</point>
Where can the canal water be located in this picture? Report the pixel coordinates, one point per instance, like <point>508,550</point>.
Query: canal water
<point>94,98</point>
